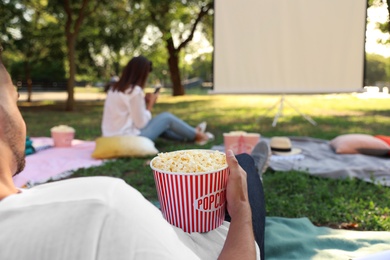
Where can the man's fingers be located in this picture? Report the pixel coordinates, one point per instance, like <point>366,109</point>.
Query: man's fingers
<point>231,160</point>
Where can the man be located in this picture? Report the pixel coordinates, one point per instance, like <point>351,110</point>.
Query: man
<point>103,217</point>
<point>13,134</point>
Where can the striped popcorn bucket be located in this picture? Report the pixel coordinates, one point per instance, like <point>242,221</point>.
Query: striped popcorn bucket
<point>194,202</point>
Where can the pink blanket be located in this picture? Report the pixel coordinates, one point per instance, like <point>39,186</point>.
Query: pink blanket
<point>55,163</point>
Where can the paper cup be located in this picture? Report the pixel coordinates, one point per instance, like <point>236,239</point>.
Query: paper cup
<point>62,139</point>
<point>194,202</point>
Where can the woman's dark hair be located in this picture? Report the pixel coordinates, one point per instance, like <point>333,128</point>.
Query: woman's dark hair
<point>134,74</point>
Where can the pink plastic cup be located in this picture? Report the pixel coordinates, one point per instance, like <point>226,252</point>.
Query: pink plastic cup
<point>251,139</point>
<point>194,202</point>
<point>62,139</point>
<point>240,142</point>
<point>232,142</point>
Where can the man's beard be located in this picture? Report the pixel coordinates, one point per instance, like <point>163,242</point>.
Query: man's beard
<point>13,136</point>
<point>19,158</point>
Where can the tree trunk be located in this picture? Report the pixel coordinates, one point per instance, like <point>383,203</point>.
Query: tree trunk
<point>71,41</point>
<point>117,68</point>
<point>173,63</point>
<point>71,32</point>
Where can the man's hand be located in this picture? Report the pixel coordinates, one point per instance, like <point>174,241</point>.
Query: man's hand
<point>240,241</point>
<point>237,189</point>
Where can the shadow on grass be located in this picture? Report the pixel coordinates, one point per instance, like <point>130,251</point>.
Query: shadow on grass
<point>337,203</point>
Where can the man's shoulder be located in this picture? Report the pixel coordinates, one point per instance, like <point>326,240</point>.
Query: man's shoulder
<point>93,181</point>
<point>82,188</point>
<point>83,193</point>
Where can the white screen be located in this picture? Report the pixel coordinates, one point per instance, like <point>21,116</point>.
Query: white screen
<point>289,46</point>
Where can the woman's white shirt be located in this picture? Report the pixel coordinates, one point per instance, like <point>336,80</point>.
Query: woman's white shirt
<point>125,113</point>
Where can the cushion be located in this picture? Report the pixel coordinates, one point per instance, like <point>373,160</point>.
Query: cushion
<point>351,143</point>
<point>384,138</point>
<point>123,146</point>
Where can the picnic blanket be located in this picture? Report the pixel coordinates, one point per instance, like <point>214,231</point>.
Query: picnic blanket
<point>318,158</point>
<point>298,238</point>
<point>53,163</point>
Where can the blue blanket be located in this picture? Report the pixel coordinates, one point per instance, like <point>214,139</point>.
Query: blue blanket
<point>289,238</point>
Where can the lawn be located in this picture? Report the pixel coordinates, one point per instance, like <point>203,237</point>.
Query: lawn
<point>349,204</point>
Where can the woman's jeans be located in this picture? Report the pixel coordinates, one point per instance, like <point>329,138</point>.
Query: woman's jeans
<point>256,199</point>
<point>170,127</point>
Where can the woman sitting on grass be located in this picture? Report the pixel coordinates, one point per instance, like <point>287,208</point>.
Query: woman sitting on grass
<point>127,110</point>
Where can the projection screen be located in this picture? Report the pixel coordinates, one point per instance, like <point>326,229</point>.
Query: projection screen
<point>285,46</point>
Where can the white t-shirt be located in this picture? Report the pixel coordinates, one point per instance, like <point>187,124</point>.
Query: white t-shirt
<point>95,218</point>
<point>125,113</point>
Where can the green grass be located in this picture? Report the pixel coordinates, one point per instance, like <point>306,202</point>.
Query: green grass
<point>348,203</point>
<point>327,202</point>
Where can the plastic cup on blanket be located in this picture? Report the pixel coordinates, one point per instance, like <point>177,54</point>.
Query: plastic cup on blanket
<point>251,139</point>
<point>240,142</point>
<point>62,135</point>
<point>192,201</point>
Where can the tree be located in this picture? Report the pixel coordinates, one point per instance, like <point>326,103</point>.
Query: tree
<point>14,25</point>
<point>75,15</point>
<point>202,66</point>
<point>33,45</point>
<point>112,34</point>
<point>8,11</point>
<point>384,27</point>
<point>71,16</point>
<point>29,24</point>
<point>109,28</point>
<point>177,21</point>
<point>158,55</point>
<point>375,69</point>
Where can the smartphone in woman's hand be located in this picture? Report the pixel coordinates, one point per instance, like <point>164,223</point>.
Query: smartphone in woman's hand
<point>157,90</point>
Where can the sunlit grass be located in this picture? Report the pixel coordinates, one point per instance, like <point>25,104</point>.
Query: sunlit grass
<point>335,114</point>
<point>87,90</point>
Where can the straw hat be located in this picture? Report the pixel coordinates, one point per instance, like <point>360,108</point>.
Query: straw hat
<point>282,146</point>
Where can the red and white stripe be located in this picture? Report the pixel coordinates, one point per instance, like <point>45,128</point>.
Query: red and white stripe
<point>192,202</point>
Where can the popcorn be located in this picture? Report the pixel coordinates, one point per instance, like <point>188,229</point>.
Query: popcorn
<point>190,161</point>
<point>63,128</point>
